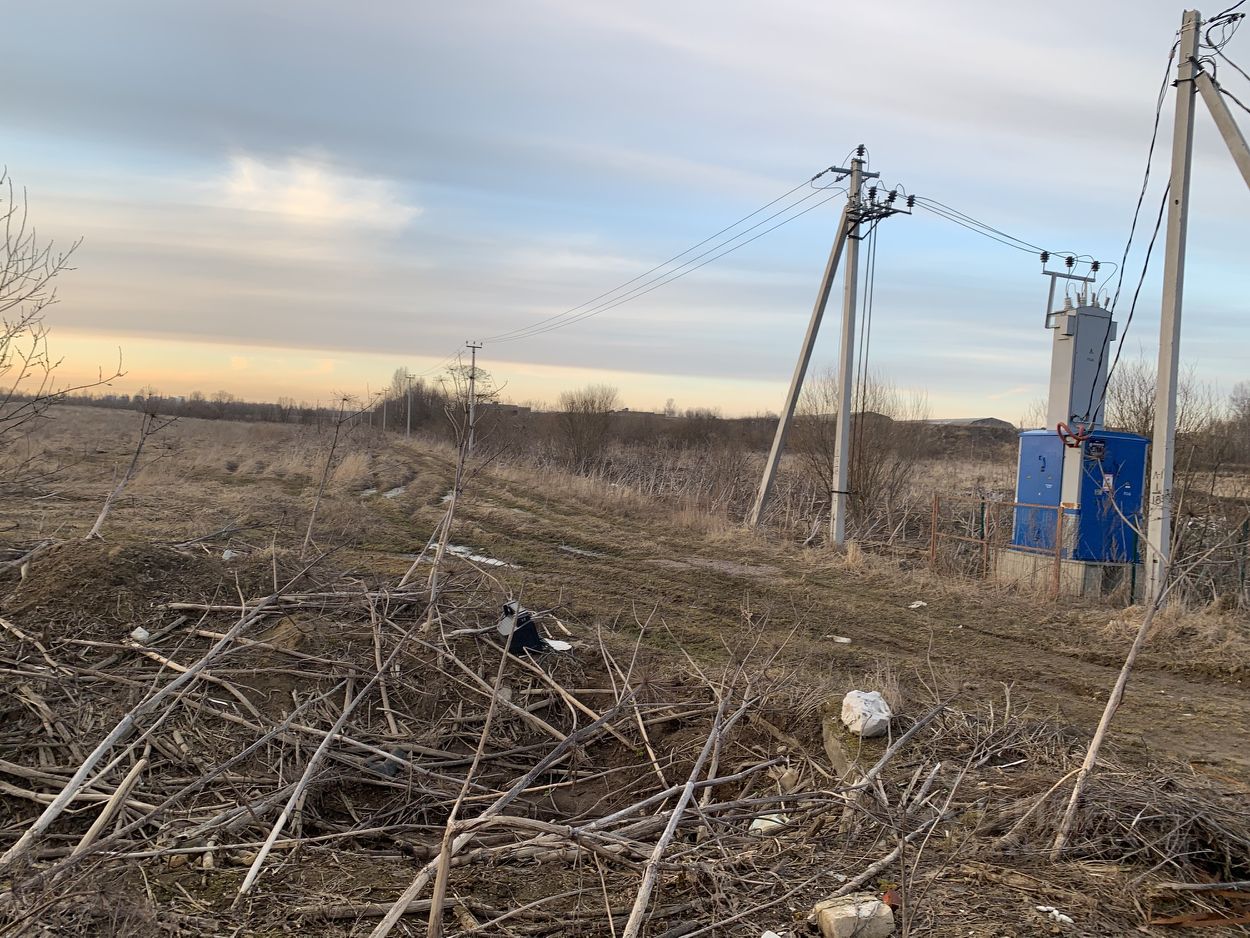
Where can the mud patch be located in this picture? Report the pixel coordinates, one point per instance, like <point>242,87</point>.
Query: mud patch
<point>727,567</point>
<point>106,583</point>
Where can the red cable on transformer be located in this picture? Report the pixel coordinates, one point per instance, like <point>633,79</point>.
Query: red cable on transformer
<point>1072,438</point>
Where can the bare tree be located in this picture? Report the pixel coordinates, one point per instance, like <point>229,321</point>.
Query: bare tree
<point>151,424</point>
<point>585,422</point>
<point>888,435</point>
<point>1131,400</point>
<point>349,410</point>
<point>890,432</point>
<point>814,438</point>
<point>28,270</point>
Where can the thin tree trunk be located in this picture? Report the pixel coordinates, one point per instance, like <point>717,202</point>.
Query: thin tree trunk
<point>325,477</point>
<point>1091,756</point>
<point>146,429</point>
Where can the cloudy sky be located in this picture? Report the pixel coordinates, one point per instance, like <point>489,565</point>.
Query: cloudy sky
<point>297,198</point>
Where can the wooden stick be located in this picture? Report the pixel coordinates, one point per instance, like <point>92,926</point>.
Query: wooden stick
<point>434,927</point>
<point>1091,755</point>
<point>111,807</point>
<point>634,923</point>
<point>119,732</point>
<point>423,877</point>
<point>296,794</point>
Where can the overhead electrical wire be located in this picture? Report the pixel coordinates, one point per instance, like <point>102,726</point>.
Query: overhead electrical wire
<point>865,340</point>
<point>719,250</point>
<point>576,313</point>
<point>1163,202</point>
<point>1091,408</point>
<point>975,225</point>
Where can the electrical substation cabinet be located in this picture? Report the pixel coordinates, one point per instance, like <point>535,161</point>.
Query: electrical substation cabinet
<point>1096,486</point>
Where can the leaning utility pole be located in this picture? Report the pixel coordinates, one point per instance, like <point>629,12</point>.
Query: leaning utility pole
<point>800,371</point>
<point>1163,449</point>
<point>473,347</point>
<point>857,210</point>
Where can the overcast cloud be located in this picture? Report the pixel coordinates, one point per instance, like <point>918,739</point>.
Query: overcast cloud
<point>394,178</point>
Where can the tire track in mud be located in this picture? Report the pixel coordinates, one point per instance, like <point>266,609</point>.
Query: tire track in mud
<point>698,582</point>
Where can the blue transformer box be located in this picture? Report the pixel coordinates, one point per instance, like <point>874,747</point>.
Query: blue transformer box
<point>1111,480</point>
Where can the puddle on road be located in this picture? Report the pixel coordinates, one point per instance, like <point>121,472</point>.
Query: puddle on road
<point>580,551</point>
<point>730,567</point>
<point>464,553</point>
<point>467,553</point>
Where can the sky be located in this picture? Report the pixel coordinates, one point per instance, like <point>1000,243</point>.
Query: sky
<point>298,198</point>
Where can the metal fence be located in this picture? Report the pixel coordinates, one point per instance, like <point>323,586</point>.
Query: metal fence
<point>967,534</point>
<point>974,537</point>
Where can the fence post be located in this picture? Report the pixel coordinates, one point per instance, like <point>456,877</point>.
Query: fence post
<point>933,534</point>
<point>1058,547</point>
<point>985,545</point>
<point>1245,544</point>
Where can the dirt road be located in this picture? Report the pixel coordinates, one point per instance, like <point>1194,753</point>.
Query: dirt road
<point>610,560</point>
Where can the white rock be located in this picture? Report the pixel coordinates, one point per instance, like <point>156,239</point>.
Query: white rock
<point>866,713</point>
<point>556,644</point>
<point>229,554</point>
<point>861,915</point>
<point>768,823</point>
<point>1055,915</point>
<point>140,634</point>
<point>770,934</point>
<point>918,604</point>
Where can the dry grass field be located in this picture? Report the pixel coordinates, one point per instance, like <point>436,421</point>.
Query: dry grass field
<point>343,720</point>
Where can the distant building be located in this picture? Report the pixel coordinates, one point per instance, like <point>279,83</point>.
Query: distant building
<point>507,410</point>
<point>989,423</point>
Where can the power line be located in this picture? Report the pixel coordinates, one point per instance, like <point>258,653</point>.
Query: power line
<point>1137,291</point>
<point>670,276</point>
<point>865,338</point>
<point>1128,244</point>
<point>524,331</point>
<point>986,230</point>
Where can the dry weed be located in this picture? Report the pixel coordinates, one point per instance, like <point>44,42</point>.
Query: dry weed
<point>353,471</point>
<point>1209,628</point>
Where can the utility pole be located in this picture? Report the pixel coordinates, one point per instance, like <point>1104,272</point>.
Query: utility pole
<point>800,371</point>
<point>384,397</point>
<point>473,347</point>
<point>846,359</point>
<point>1163,450</point>
<point>408,429</point>
<point>855,212</point>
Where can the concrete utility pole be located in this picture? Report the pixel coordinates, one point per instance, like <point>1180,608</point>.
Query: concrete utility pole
<point>1227,125</point>
<point>855,212</point>
<point>800,371</point>
<point>846,358</point>
<point>384,396</point>
<point>473,347</point>
<point>1162,454</point>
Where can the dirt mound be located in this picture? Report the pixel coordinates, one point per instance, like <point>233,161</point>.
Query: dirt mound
<point>109,583</point>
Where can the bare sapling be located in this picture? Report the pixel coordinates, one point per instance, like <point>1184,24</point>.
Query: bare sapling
<point>465,390</point>
<point>1172,573</point>
<point>341,419</point>
<point>29,268</point>
<point>150,425</point>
